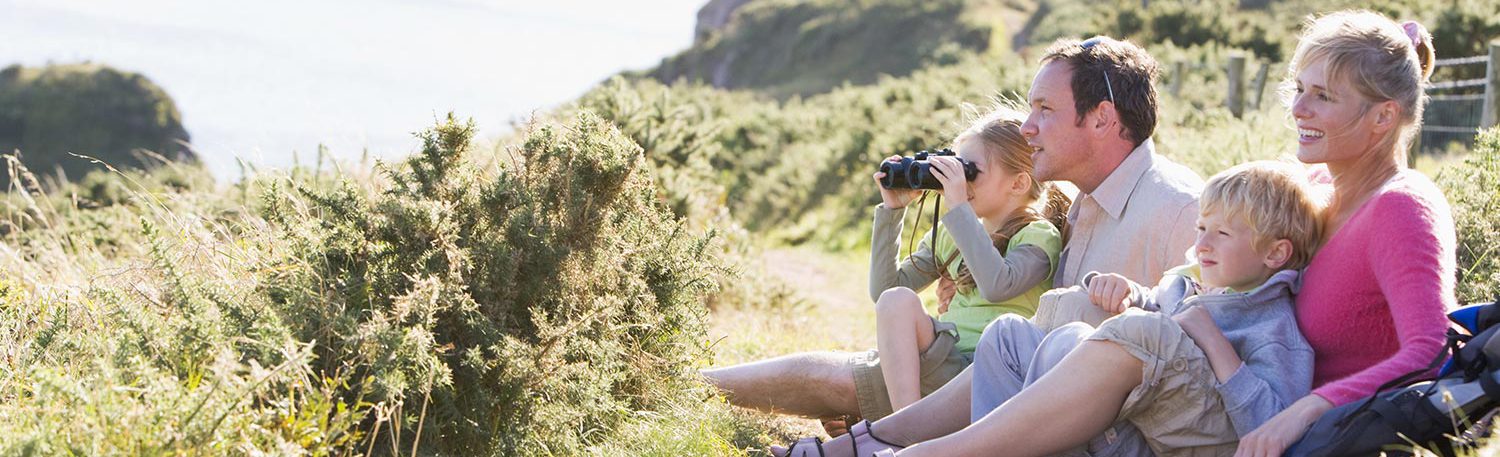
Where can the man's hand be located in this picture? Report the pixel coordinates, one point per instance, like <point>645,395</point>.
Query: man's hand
<point>945,292</point>
<point>1111,292</point>
<point>894,198</point>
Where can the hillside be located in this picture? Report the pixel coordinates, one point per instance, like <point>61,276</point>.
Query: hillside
<point>783,47</point>
<point>91,110</point>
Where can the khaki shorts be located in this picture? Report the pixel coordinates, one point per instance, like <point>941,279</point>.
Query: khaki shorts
<point>1177,406</point>
<point>940,363</point>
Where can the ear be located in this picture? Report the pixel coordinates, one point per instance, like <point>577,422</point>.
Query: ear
<point>1387,116</point>
<point>1102,117</point>
<point>1278,254</point>
<point>1021,183</point>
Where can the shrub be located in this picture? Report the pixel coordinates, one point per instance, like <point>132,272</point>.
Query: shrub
<point>1474,191</point>
<point>528,311</point>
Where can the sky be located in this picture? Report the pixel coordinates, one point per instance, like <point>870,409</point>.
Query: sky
<point>257,80</point>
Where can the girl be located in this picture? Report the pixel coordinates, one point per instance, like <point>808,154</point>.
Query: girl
<point>997,246</point>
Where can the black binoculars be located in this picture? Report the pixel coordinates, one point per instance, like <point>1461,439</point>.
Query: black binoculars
<point>916,172</point>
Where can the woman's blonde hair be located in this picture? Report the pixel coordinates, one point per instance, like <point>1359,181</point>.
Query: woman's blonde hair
<point>1381,61</point>
<point>999,130</point>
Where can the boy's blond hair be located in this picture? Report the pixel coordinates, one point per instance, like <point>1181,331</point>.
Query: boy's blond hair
<point>1275,200</point>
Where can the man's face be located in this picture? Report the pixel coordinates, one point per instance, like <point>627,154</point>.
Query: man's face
<point>1059,143</point>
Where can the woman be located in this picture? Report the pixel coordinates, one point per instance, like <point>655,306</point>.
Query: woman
<point>1373,299</point>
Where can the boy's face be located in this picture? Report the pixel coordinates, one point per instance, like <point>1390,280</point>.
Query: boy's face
<point>1226,251</point>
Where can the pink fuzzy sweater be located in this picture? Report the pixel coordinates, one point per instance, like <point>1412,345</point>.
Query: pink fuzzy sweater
<point>1373,300</point>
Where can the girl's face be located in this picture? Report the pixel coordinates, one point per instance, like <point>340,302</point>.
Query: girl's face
<point>1333,123</point>
<point>993,193</point>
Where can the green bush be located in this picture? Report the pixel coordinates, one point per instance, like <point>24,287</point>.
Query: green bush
<point>1474,191</point>
<point>529,311</point>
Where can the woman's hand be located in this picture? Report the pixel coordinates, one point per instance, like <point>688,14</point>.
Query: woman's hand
<point>1284,429</point>
<point>950,172</point>
<point>894,198</point>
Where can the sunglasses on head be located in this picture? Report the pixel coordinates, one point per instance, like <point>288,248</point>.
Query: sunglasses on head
<point>1089,44</point>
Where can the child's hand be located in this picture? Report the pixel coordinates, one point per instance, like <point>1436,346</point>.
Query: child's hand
<point>945,292</point>
<point>1110,292</point>
<point>950,172</point>
<point>1199,325</point>
<point>895,198</point>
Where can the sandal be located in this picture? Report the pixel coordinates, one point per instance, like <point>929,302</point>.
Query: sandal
<point>865,441</point>
<point>804,448</point>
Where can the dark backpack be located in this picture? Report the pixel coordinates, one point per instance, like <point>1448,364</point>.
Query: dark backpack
<point>1404,415</point>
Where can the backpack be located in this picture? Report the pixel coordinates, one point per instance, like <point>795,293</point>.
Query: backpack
<point>1446,415</point>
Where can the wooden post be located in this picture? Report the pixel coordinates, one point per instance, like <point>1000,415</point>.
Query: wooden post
<point>1260,84</point>
<point>1236,100</point>
<point>1179,73</point>
<point>1491,114</point>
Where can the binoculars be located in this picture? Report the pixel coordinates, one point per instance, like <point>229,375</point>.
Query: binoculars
<point>916,172</point>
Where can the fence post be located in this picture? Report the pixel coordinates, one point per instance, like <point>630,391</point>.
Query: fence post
<point>1492,88</point>
<point>1260,84</point>
<point>1179,73</point>
<point>1236,100</point>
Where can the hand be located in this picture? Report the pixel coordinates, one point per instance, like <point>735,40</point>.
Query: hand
<point>950,172</point>
<point>1199,325</point>
<point>1196,322</point>
<point>1110,292</point>
<point>894,198</point>
<point>1284,429</point>
<point>945,292</point>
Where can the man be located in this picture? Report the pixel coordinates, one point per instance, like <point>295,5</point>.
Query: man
<point>1094,110</point>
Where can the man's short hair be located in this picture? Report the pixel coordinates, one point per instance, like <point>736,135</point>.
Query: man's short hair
<point>1275,200</point>
<point>1108,69</point>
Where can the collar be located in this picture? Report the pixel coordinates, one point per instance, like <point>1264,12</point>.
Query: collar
<point>1114,192</point>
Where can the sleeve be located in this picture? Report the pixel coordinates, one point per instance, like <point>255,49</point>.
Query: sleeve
<point>915,272</point>
<point>1270,379</point>
<point>1146,298</point>
<point>999,277</point>
<point>1414,266</point>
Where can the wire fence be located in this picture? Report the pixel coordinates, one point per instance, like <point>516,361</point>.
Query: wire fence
<point>1456,106</point>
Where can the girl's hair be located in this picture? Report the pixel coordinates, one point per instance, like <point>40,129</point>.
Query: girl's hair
<point>1381,61</point>
<point>999,131</point>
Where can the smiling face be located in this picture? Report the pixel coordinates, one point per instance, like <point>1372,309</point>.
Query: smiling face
<point>1334,123</point>
<point>993,194</point>
<point>1227,253</point>
<point>1059,142</point>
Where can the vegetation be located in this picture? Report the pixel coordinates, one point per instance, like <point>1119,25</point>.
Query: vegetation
<point>552,294</point>
<point>118,117</point>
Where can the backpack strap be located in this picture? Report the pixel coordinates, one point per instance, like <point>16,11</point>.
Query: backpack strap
<point>1451,347</point>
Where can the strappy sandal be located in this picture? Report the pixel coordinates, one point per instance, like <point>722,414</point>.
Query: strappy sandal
<point>864,440</point>
<point>806,447</point>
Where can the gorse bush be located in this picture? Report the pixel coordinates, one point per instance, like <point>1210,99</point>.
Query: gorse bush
<point>543,307</point>
<point>521,312</point>
<point>1474,191</point>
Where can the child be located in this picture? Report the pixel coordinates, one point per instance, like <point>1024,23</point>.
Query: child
<point>997,246</point>
<point>1257,226</point>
